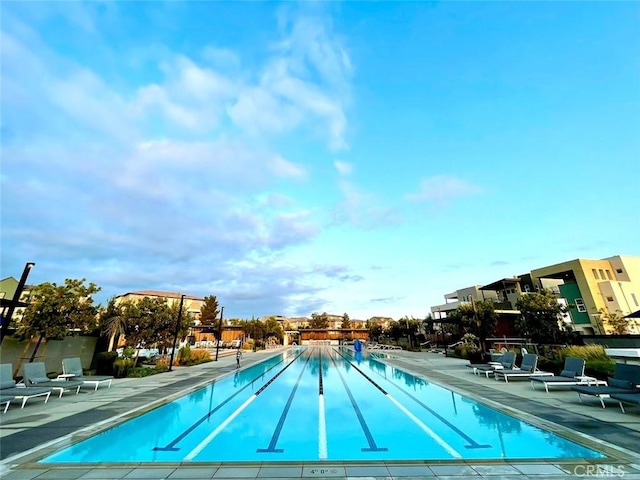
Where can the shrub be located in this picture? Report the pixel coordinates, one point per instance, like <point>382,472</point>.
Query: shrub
<point>162,365</point>
<point>200,356</point>
<point>588,352</point>
<point>122,366</point>
<point>138,372</point>
<point>186,356</point>
<point>104,363</point>
<point>598,363</point>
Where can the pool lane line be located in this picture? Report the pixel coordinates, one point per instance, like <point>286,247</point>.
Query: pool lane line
<point>471,441</point>
<point>229,419</point>
<point>363,424</point>
<point>171,446</point>
<point>322,420</point>
<point>283,416</point>
<point>439,440</point>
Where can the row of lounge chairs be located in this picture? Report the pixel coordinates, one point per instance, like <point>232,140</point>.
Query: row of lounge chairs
<point>624,386</point>
<point>35,382</point>
<point>382,346</point>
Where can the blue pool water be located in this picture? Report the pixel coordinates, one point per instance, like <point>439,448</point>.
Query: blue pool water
<point>315,404</point>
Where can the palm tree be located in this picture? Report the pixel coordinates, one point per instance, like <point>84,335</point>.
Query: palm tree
<point>112,322</point>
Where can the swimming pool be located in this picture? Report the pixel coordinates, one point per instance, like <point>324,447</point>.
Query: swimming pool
<point>316,404</point>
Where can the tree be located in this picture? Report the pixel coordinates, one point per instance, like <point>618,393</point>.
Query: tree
<point>346,323</point>
<point>272,328</point>
<point>375,330</point>
<point>210,311</point>
<point>55,311</point>
<point>152,322</point>
<point>319,320</point>
<point>540,317</point>
<point>618,325</point>
<point>112,322</point>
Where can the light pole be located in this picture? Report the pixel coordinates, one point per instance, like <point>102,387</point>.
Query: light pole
<point>15,301</point>
<point>219,333</point>
<point>175,337</point>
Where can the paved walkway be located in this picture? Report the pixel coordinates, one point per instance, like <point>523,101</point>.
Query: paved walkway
<point>28,434</point>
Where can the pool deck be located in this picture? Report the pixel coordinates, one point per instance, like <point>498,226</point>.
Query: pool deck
<point>39,429</point>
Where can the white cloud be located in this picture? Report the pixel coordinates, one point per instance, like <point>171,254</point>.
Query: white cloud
<point>128,181</point>
<point>283,168</point>
<point>441,189</point>
<point>306,80</point>
<point>363,209</point>
<point>343,168</point>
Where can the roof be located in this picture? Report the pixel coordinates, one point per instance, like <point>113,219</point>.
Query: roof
<point>158,293</point>
<point>501,284</point>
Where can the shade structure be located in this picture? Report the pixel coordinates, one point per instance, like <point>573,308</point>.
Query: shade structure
<point>633,315</point>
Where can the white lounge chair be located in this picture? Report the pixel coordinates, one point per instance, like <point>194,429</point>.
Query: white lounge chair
<point>528,368</point>
<point>35,375</point>
<point>73,366</point>
<point>8,387</point>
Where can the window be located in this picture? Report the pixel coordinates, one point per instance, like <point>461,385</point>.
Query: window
<point>609,299</point>
<point>580,305</point>
<point>601,274</point>
<point>595,273</point>
<point>618,270</point>
<point>609,274</point>
<point>635,300</point>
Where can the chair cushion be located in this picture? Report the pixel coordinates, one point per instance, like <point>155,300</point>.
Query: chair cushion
<point>7,384</point>
<point>617,383</point>
<point>568,373</point>
<point>39,379</point>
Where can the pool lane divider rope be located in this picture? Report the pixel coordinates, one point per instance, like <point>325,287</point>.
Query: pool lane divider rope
<point>472,442</point>
<point>171,446</point>
<point>449,449</point>
<point>322,421</point>
<point>363,424</point>
<point>283,416</point>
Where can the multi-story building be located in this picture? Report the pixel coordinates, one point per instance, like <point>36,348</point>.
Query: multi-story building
<point>592,288</point>
<point>588,288</point>
<point>8,288</point>
<point>193,305</point>
<point>460,297</point>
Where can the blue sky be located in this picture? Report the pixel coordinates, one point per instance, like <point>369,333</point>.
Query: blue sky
<point>293,158</point>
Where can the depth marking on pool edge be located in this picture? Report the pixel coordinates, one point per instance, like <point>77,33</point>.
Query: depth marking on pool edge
<point>472,442</point>
<point>415,420</point>
<point>283,416</point>
<point>223,425</point>
<point>363,424</point>
<point>171,446</point>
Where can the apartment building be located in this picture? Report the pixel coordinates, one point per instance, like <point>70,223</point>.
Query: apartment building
<point>192,304</point>
<point>586,287</point>
<point>610,285</point>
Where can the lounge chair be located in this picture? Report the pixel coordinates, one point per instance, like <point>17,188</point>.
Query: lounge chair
<point>507,361</point>
<point>8,387</point>
<point>73,366</point>
<point>626,398</point>
<point>572,374</point>
<point>528,368</point>
<point>35,375</point>
<point>6,401</point>
<point>626,379</point>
